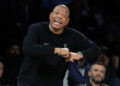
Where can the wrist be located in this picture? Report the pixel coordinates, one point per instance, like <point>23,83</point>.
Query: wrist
<point>81,54</point>
<point>57,51</point>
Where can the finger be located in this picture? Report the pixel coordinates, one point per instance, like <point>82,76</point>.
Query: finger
<point>66,55</point>
<point>70,59</point>
<point>67,59</point>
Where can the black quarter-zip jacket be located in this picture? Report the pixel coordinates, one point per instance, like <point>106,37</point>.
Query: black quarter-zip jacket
<point>41,67</point>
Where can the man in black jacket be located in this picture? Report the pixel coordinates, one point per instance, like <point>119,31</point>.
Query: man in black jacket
<point>49,47</point>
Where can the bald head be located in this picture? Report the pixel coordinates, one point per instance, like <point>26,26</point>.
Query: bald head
<point>64,6</point>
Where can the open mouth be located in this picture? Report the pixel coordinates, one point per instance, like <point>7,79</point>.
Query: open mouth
<point>57,21</point>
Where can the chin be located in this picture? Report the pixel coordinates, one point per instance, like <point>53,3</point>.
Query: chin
<point>56,28</point>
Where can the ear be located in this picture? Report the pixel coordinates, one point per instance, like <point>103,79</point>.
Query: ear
<point>50,15</point>
<point>68,19</point>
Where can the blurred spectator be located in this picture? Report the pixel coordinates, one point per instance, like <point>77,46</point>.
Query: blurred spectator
<point>105,60</point>
<point>104,57</point>
<point>115,68</point>
<point>1,69</point>
<point>13,61</point>
<point>115,61</point>
<point>3,82</point>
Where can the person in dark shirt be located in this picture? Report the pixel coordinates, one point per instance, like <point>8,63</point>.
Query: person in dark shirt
<point>96,74</point>
<point>49,47</point>
<point>12,59</point>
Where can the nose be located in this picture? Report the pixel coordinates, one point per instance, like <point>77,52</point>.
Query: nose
<point>59,16</point>
<point>99,73</point>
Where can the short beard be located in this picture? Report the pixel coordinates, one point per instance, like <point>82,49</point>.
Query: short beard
<point>95,81</point>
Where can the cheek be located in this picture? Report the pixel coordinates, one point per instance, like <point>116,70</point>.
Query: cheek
<point>65,21</point>
<point>51,17</point>
<point>102,76</point>
<point>91,74</point>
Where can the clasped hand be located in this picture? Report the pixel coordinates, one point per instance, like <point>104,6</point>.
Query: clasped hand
<point>69,56</point>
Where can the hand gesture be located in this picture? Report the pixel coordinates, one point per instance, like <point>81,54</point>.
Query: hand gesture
<point>64,52</point>
<point>74,56</point>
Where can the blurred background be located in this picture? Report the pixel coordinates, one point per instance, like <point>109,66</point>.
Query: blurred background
<point>99,20</point>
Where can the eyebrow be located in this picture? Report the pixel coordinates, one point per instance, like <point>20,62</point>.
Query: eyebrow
<point>65,14</point>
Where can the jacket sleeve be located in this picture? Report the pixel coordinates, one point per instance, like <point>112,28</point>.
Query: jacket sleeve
<point>89,49</point>
<point>31,46</point>
<point>75,76</point>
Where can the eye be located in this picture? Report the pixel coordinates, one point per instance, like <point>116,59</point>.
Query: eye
<point>56,12</point>
<point>103,72</point>
<point>64,15</point>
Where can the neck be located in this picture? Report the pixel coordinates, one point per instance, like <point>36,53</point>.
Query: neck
<point>55,31</point>
<point>94,84</point>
